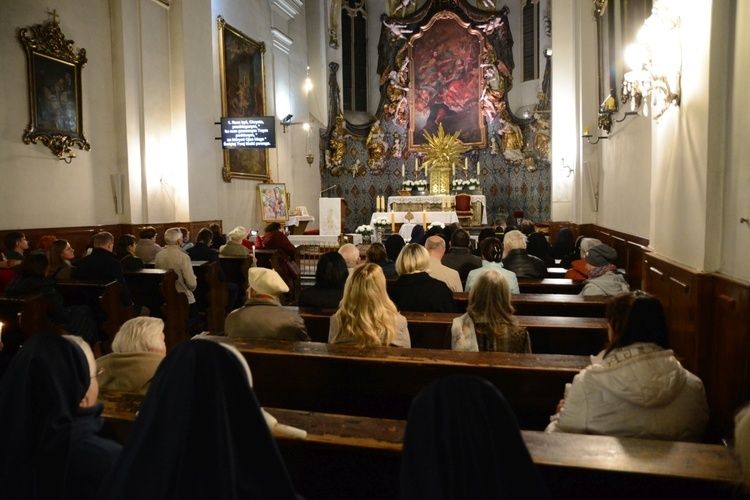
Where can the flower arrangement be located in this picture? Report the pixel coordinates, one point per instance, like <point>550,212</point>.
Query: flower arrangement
<point>381,223</point>
<point>436,224</point>
<point>421,184</point>
<point>364,229</point>
<point>460,184</point>
<point>473,182</point>
<point>409,184</point>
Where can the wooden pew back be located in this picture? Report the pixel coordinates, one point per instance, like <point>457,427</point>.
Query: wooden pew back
<point>550,304</point>
<point>551,285</point>
<point>211,295</point>
<point>23,317</point>
<point>235,269</point>
<point>549,334</point>
<point>367,452</point>
<point>381,381</point>
<point>104,300</point>
<point>155,288</point>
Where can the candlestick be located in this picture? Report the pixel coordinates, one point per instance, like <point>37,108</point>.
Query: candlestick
<point>424,219</point>
<point>393,222</point>
<point>586,131</point>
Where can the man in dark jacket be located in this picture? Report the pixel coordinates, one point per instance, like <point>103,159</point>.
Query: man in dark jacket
<point>460,257</point>
<point>103,265</point>
<point>517,260</point>
<point>202,251</point>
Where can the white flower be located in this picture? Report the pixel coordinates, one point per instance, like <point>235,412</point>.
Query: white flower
<point>364,229</point>
<point>408,183</point>
<point>381,222</point>
<point>421,183</point>
<point>436,224</point>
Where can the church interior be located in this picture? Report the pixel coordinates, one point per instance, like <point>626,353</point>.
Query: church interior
<point>530,107</point>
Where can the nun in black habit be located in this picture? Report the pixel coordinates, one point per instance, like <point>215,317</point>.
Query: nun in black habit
<point>462,442</point>
<point>200,433</point>
<point>48,422</point>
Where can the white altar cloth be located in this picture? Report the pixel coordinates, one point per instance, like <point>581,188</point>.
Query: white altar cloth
<point>398,217</point>
<point>438,199</point>
<point>294,220</point>
<point>319,239</point>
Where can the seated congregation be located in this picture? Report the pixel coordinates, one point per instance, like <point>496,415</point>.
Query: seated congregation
<point>635,387</point>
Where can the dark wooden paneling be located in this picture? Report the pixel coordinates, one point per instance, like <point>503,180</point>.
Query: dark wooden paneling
<point>728,381</point>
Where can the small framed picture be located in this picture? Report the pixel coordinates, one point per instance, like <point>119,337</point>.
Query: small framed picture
<point>274,204</point>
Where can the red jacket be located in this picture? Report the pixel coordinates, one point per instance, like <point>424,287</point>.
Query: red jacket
<point>578,271</point>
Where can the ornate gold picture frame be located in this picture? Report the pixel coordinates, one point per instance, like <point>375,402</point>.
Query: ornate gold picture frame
<point>54,77</point>
<point>243,94</point>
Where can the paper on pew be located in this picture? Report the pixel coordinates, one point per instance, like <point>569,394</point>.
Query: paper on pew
<point>282,429</point>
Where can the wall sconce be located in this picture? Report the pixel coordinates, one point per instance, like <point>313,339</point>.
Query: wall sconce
<point>309,156</point>
<point>287,122</point>
<point>587,135</point>
<point>566,168</point>
<point>656,62</point>
<point>70,155</point>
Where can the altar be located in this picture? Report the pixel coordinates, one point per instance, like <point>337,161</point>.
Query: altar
<point>429,217</point>
<point>434,203</point>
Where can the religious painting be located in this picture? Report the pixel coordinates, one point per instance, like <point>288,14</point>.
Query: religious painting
<point>54,77</point>
<point>605,31</point>
<point>445,81</point>
<point>274,202</point>
<point>243,94</point>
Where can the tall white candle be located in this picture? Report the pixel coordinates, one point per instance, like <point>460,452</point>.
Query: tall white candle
<point>478,169</point>
<point>403,170</point>
<point>466,164</point>
<point>454,170</point>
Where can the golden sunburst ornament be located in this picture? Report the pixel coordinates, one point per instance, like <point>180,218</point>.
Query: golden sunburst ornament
<point>442,150</point>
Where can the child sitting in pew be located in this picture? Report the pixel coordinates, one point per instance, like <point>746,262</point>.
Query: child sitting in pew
<point>636,387</point>
<point>489,323</point>
<point>366,316</point>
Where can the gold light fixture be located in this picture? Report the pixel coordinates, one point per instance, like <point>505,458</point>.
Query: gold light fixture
<point>653,84</point>
<point>67,155</point>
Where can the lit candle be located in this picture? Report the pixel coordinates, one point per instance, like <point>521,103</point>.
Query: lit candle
<point>393,222</point>
<point>424,219</point>
<point>403,170</point>
<point>586,131</point>
<point>1,333</point>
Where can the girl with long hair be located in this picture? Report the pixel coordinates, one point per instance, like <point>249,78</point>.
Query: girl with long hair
<point>60,253</point>
<point>489,323</point>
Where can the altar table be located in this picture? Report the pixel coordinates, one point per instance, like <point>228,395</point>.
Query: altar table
<point>431,202</point>
<point>298,223</point>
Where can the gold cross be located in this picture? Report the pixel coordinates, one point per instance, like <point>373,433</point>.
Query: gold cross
<point>53,14</point>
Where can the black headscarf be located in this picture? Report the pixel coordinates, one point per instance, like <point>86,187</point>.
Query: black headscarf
<point>393,246</point>
<point>417,233</point>
<point>563,243</point>
<point>462,441</point>
<point>200,434</point>
<point>538,246</point>
<point>39,398</point>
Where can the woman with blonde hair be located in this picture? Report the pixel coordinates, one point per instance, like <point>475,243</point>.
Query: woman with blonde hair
<point>489,323</point>
<point>415,290</point>
<point>366,316</point>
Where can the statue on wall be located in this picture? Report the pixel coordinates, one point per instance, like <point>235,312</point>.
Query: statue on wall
<point>376,147</point>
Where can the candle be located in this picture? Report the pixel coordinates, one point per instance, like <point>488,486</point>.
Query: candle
<point>425,171</point>
<point>393,222</point>
<point>478,169</point>
<point>424,219</point>
<point>403,170</point>
<point>416,163</point>
<point>1,333</point>
<point>466,164</point>
<point>454,170</point>
<point>586,131</point>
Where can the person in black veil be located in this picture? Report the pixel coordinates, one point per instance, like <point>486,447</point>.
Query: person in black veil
<point>49,418</point>
<point>393,246</point>
<point>462,442</point>
<point>200,433</point>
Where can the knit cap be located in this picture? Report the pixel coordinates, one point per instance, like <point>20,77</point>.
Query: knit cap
<point>601,255</point>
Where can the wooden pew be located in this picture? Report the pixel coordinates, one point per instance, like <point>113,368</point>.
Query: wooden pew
<point>556,272</point>
<point>235,269</point>
<point>211,295</point>
<point>155,288</point>
<point>550,304</point>
<point>276,260</point>
<point>104,300</point>
<point>381,381</point>
<point>358,457</point>
<point>23,317</point>
<point>549,334</point>
<point>551,285</point>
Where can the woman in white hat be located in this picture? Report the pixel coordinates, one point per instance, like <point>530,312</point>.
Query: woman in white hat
<point>234,246</point>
